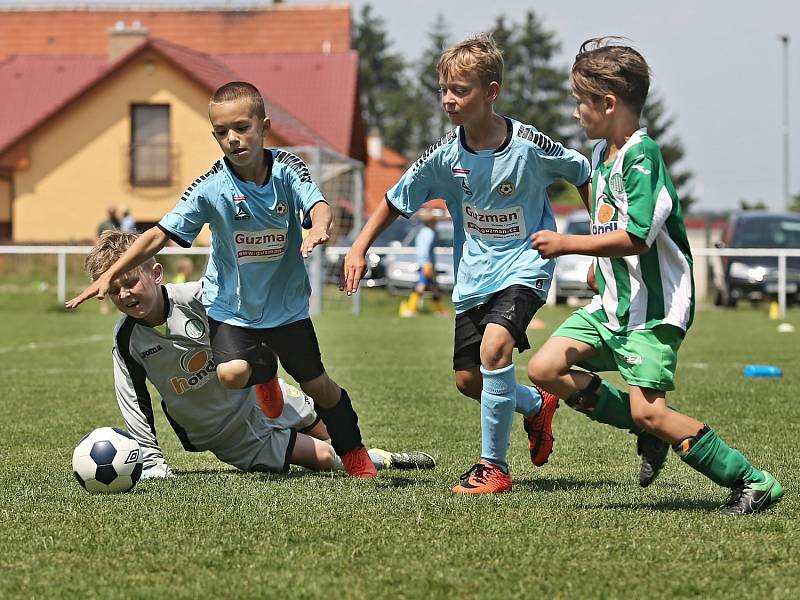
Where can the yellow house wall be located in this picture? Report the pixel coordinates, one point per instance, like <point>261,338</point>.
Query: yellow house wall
<point>79,160</point>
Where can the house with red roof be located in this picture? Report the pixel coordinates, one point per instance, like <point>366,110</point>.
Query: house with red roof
<point>110,108</point>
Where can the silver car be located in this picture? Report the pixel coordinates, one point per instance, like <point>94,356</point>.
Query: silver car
<point>402,270</point>
<point>571,269</point>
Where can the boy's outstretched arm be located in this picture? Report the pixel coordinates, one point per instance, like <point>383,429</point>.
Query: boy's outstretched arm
<point>146,246</point>
<point>615,243</point>
<point>321,220</point>
<point>355,264</point>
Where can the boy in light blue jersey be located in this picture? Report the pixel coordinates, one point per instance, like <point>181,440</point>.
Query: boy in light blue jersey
<point>255,289</point>
<point>492,172</point>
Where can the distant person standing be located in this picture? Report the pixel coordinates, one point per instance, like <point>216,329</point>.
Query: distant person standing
<point>111,222</point>
<point>425,243</point>
<point>128,223</point>
<point>185,268</point>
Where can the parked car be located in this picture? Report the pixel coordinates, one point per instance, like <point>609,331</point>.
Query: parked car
<point>375,276</point>
<point>756,277</point>
<point>402,270</point>
<point>571,269</point>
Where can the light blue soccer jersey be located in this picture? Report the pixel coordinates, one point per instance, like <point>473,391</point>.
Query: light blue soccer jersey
<point>497,199</point>
<point>255,275</point>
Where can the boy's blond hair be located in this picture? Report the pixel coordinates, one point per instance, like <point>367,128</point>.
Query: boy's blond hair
<point>241,90</point>
<point>110,246</point>
<point>604,67</point>
<point>478,54</point>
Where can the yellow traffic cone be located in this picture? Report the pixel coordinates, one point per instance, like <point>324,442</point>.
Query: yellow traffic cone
<point>774,311</point>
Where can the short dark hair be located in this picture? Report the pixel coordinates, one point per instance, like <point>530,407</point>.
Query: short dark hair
<point>241,90</point>
<point>603,66</point>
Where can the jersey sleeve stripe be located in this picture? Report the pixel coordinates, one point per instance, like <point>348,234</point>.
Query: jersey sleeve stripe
<point>541,141</point>
<point>137,372</point>
<point>446,138</point>
<point>175,237</point>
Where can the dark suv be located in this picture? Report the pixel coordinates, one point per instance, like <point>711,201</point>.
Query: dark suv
<point>756,277</point>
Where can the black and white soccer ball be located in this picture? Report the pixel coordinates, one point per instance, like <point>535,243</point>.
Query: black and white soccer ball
<point>107,461</point>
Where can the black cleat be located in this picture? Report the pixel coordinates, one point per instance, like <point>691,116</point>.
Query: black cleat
<point>751,497</point>
<point>654,453</point>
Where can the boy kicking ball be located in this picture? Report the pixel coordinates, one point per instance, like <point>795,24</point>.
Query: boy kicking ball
<point>645,302</point>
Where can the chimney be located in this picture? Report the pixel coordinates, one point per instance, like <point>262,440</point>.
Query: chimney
<point>122,38</point>
<point>374,144</point>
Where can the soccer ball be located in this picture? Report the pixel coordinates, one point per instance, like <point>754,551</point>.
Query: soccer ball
<point>107,461</point>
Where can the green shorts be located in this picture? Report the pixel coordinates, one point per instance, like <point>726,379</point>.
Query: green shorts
<point>644,357</point>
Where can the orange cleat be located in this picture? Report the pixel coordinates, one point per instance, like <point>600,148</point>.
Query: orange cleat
<point>539,428</point>
<point>484,478</point>
<point>358,463</point>
<point>270,398</point>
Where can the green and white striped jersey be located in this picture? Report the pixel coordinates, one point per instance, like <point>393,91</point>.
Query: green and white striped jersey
<point>635,193</point>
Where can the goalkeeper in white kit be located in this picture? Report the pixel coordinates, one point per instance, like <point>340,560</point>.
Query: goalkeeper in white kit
<point>163,337</point>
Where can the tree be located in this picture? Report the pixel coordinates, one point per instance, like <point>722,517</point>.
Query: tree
<point>757,205</point>
<point>433,120</point>
<point>534,90</point>
<point>795,205</point>
<point>379,71</point>
<point>390,99</point>
<point>658,125</point>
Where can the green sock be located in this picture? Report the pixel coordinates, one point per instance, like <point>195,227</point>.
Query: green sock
<point>719,462</point>
<point>614,408</point>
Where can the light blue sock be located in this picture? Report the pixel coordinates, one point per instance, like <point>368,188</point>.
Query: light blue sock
<point>498,402</point>
<point>529,400</point>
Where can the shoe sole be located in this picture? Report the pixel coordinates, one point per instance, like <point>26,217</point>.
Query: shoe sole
<point>478,491</point>
<point>425,463</point>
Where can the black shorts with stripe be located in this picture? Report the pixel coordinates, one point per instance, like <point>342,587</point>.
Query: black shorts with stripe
<point>294,345</point>
<point>512,308</point>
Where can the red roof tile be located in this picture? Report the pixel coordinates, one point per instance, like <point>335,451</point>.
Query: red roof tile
<point>318,89</point>
<point>272,29</point>
<point>35,87</point>
<point>39,86</point>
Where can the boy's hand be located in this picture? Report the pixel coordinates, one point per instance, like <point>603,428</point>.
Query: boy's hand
<point>98,289</point>
<point>549,243</point>
<point>353,269</point>
<point>315,237</point>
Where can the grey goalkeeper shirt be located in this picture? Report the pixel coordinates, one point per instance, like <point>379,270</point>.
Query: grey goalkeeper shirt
<point>176,359</point>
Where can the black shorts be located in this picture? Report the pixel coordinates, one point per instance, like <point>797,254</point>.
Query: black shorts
<point>295,345</point>
<point>513,308</point>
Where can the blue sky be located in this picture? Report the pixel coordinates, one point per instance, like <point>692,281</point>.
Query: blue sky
<point>717,65</point>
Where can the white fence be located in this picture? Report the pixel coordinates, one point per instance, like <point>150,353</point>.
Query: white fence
<point>331,254</point>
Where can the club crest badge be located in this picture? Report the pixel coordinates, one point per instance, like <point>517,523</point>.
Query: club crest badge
<point>616,183</point>
<point>281,209</point>
<point>506,188</point>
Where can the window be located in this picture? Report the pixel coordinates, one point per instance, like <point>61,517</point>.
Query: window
<point>150,146</point>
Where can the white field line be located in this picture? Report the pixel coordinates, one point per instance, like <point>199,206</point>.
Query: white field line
<point>57,344</point>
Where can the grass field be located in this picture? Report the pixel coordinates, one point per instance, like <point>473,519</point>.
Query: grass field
<point>579,527</point>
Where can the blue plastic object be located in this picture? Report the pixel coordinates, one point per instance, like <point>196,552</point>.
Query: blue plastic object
<point>762,371</point>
